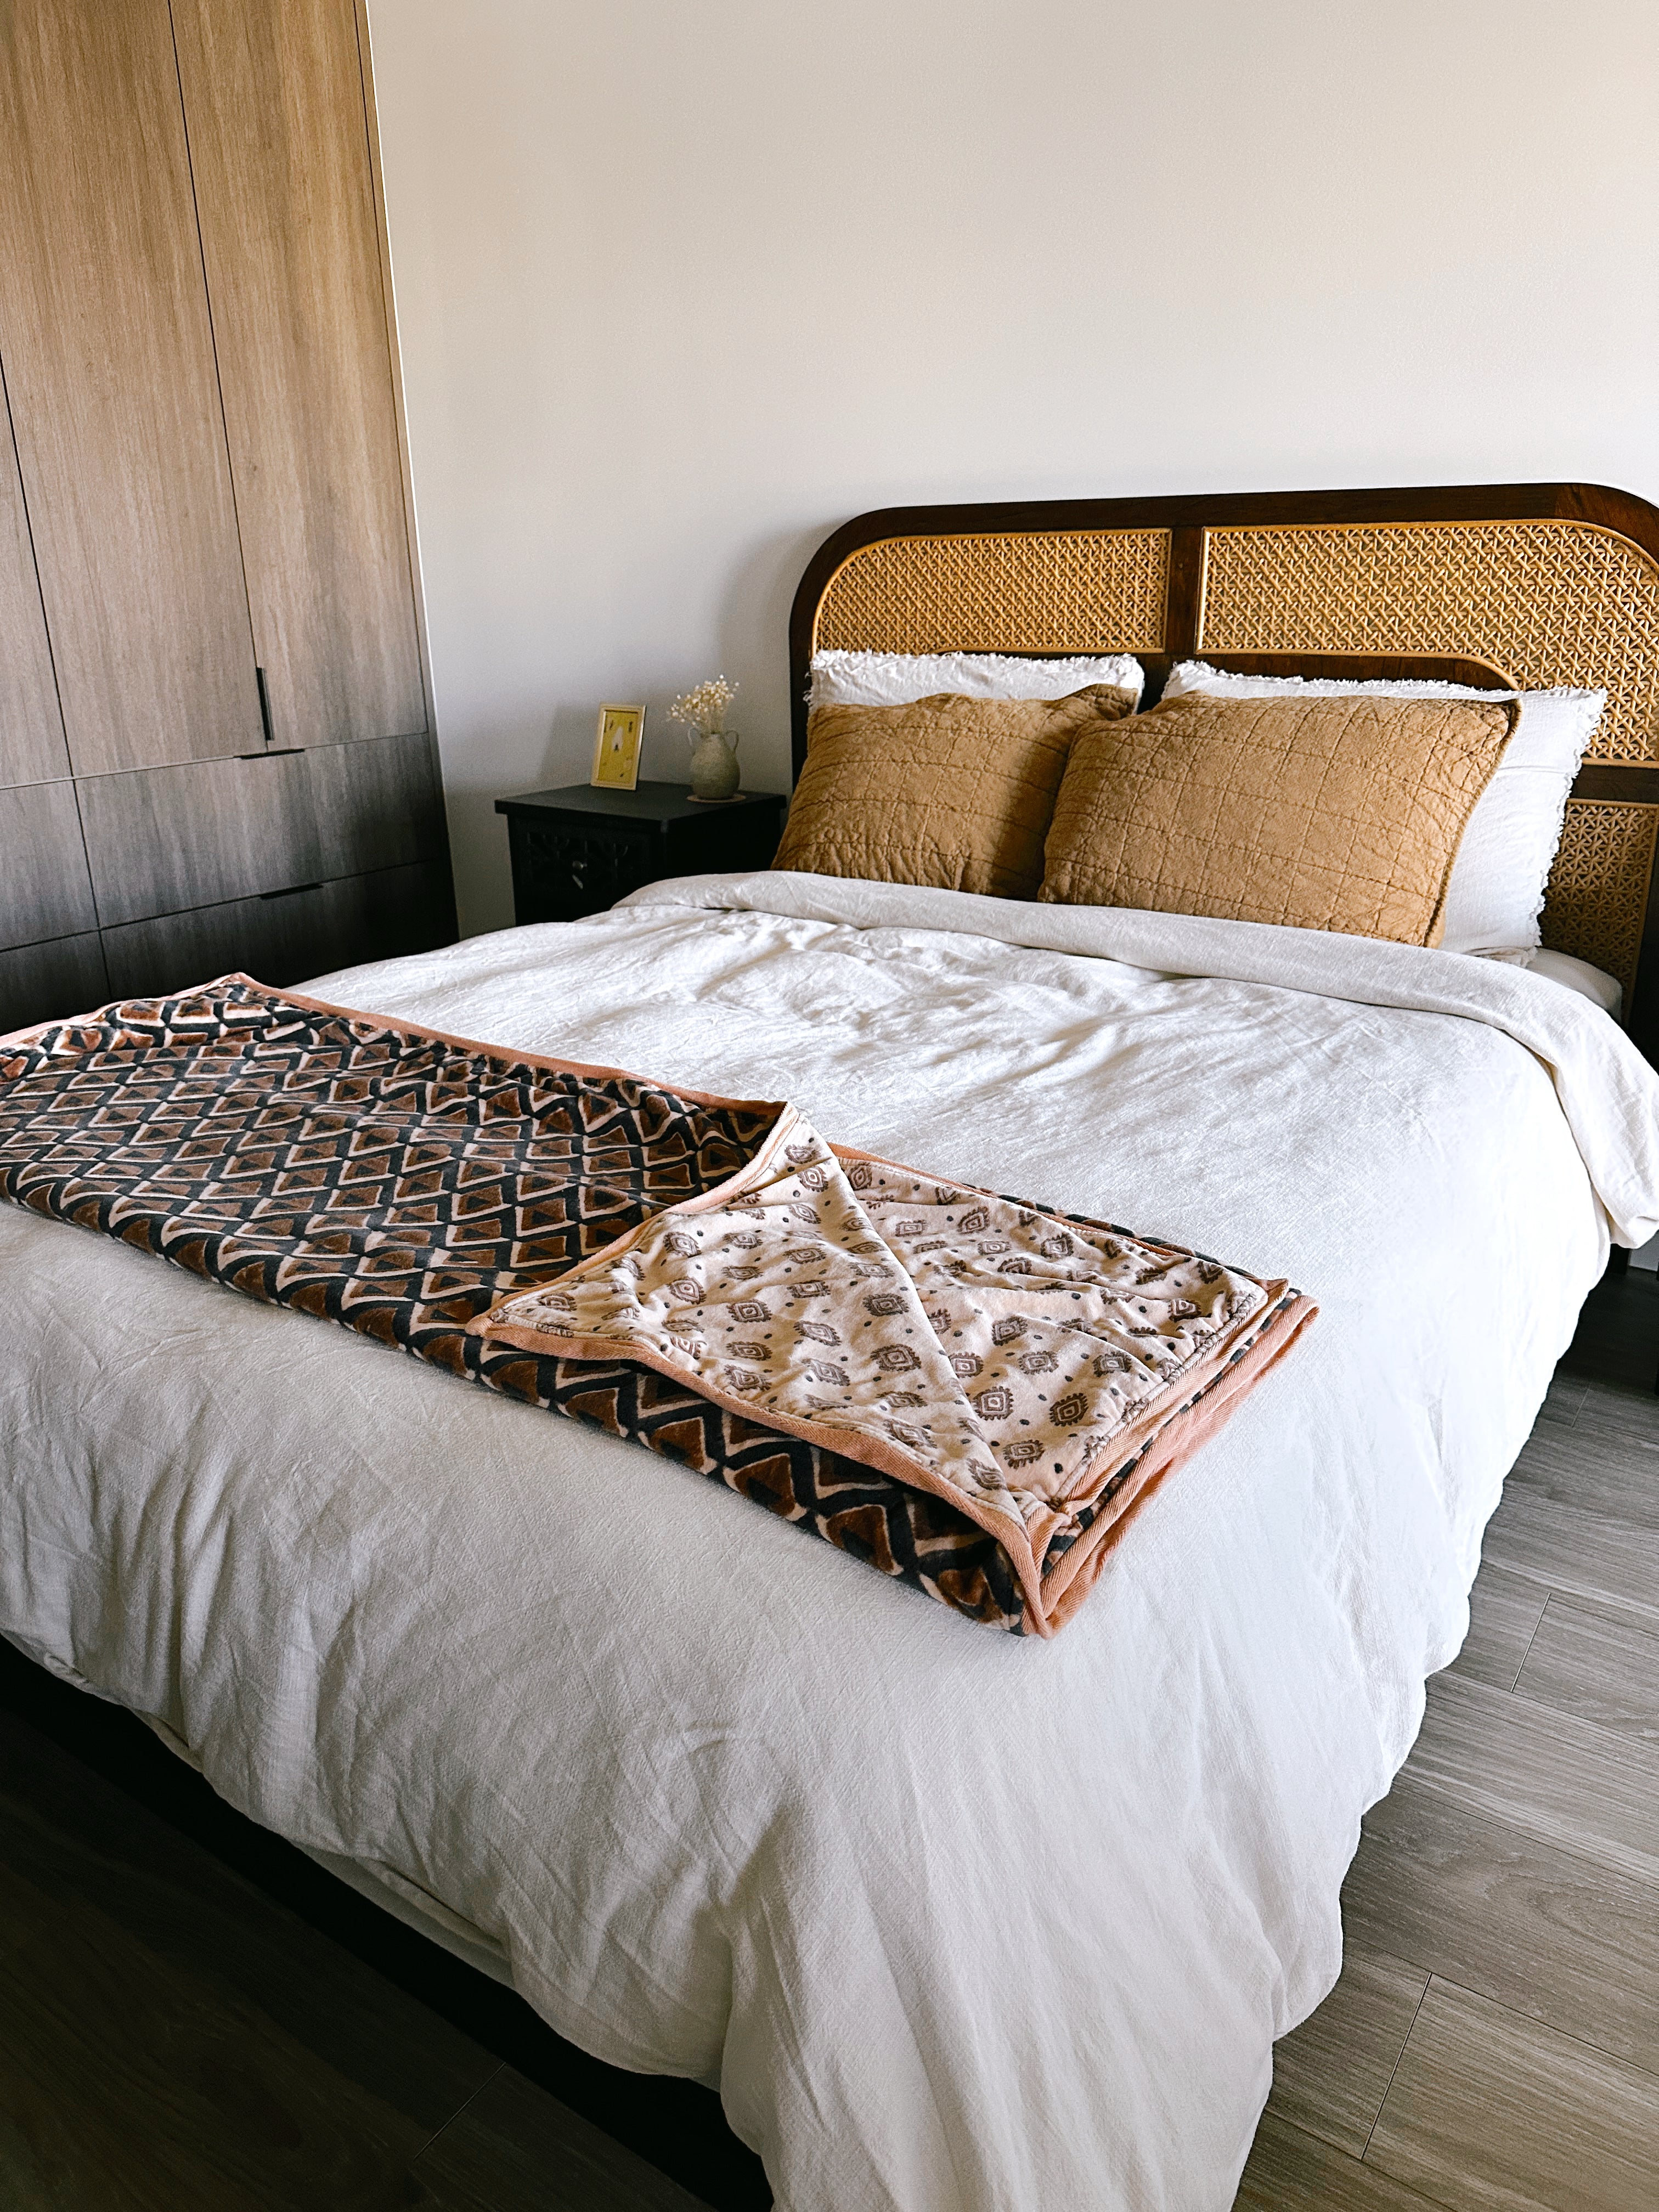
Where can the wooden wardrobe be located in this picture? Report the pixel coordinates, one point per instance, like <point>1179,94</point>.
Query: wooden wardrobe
<point>215,743</point>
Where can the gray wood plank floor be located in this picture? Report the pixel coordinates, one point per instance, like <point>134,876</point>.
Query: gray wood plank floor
<point>1494,2039</point>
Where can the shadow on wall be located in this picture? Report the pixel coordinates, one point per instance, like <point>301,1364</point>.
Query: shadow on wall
<point>752,648</point>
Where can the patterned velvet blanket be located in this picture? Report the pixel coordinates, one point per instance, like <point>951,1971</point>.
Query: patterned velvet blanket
<point>968,1392</point>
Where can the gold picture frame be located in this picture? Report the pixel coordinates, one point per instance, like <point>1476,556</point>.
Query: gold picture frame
<point>616,748</point>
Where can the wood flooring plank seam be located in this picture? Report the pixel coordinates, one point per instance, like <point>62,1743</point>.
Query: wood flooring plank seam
<point>1516,2180</point>
<point>1533,1638</point>
<point>1550,1705</point>
<point>1399,2056</point>
<point>1594,1663</point>
<point>1492,1599</point>
<point>1614,2047</point>
<point>1636,1765</point>
<point>1406,2188</point>
<point>1639,1615</point>
<point>465,2105</point>
<point>1484,1812</point>
<point>1617,1743</point>
<point>1527,2020</point>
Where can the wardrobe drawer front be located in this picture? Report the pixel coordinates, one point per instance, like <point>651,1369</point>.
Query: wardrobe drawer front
<point>383,915</point>
<point>286,938</point>
<point>168,839</point>
<point>47,982</point>
<point>377,804</point>
<point>44,890</point>
<point>275,939</point>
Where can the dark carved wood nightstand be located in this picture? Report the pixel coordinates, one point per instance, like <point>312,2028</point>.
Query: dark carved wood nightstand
<point>579,850</point>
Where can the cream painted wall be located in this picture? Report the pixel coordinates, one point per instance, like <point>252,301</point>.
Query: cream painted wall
<point>683,283</point>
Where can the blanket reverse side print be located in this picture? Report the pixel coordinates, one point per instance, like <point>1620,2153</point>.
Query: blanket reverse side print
<point>970,1393</point>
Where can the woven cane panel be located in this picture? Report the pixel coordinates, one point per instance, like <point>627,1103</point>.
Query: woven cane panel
<point>1551,602</point>
<point>1049,591</point>
<point>1598,895</point>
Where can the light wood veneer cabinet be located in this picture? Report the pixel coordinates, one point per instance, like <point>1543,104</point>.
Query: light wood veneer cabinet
<point>211,689</point>
<point>285,197</point>
<point>31,747</point>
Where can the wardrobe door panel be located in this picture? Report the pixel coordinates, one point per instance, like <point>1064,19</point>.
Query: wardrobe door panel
<point>108,352</point>
<point>41,982</point>
<point>174,838</point>
<point>31,747</point>
<point>44,890</point>
<point>378,804</point>
<point>286,939</point>
<point>279,145</point>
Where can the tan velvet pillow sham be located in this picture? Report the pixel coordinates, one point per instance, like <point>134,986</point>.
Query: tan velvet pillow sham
<point>950,792</point>
<point>1341,814</point>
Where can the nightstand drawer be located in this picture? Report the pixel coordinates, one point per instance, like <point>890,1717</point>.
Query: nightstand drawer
<point>560,872</point>
<point>579,850</point>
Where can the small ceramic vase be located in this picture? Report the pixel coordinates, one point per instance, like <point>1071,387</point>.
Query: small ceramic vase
<point>714,765</point>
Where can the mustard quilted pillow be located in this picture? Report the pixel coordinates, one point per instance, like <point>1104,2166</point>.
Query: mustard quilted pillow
<point>947,791</point>
<point>1341,814</point>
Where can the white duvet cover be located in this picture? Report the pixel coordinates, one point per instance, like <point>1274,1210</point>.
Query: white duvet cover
<point>955,1920</point>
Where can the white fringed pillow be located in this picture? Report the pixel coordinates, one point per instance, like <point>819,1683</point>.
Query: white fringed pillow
<point>897,679</point>
<point>1496,889</point>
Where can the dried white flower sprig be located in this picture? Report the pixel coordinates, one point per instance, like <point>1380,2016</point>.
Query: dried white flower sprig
<point>704,709</point>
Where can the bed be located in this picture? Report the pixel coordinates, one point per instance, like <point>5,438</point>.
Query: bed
<point>953,1919</point>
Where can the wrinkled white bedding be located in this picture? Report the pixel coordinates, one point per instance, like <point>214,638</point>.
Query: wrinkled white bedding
<point>956,1920</point>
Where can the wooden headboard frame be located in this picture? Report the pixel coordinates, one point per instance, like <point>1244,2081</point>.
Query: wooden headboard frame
<point>1525,584</point>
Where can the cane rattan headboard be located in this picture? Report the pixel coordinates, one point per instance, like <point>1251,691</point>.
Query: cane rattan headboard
<point>1528,585</point>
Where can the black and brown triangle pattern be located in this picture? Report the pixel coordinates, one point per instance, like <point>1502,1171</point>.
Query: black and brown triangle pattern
<point>399,1183</point>
<point>905,1533</point>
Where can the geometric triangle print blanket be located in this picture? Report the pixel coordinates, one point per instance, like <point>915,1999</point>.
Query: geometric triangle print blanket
<point>969,1393</point>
